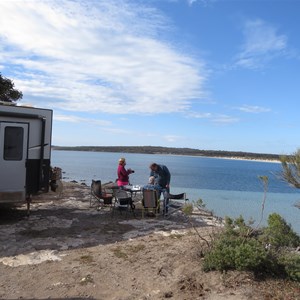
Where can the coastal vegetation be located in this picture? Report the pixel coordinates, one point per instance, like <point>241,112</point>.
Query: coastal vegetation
<point>291,168</point>
<point>172,151</point>
<point>270,251</point>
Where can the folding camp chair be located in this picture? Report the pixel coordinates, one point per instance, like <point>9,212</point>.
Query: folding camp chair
<point>150,201</point>
<point>100,196</point>
<point>175,203</point>
<point>123,201</point>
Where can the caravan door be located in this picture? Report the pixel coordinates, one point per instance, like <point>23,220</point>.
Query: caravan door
<point>13,155</point>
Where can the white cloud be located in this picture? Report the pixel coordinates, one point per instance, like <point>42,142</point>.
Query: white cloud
<point>204,2</point>
<point>190,2</point>
<point>103,56</point>
<point>200,115</point>
<point>172,138</point>
<point>76,119</point>
<point>224,119</point>
<point>214,118</point>
<point>262,43</point>
<point>253,109</point>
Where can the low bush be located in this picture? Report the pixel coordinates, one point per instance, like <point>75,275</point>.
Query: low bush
<point>234,249</point>
<point>239,247</point>
<point>279,234</point>
<point>291,264</point>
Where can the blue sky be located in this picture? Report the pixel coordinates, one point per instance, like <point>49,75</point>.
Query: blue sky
<point>212,75</point>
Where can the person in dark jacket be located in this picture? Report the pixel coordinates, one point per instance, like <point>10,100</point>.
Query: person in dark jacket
<point>161,174</point>
<point>162,177</point>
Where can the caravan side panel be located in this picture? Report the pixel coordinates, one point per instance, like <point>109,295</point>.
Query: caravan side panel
<point>32,171</point>
<point>13,156</point>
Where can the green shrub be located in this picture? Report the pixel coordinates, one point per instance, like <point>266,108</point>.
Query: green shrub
<point>279,233</point>
<point>236,227</point>
<point>220,257</point>
<point>200,203</point>
<point>236,253</point>
<point>251,256</point>
<point>239,247</point>
<point>188,209</point>
<point>291,265</point>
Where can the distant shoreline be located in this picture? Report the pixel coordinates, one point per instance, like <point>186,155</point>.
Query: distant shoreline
<point>225,157</point>
<point>235,155</point>
<point>252,159</point>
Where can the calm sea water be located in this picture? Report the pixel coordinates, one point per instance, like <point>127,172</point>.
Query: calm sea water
<point>227,187</point>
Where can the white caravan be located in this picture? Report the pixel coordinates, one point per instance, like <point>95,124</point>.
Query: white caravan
<point>25,150</point>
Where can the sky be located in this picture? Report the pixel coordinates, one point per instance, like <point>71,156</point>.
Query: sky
<point>202,74</point>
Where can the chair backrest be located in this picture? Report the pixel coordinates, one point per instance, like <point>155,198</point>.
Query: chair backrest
<point>123,197</point>
<point>150,198</point>
<point>120,193</point>
<point>96,188</point>
<point>181,196</point>
<point>108,187</point>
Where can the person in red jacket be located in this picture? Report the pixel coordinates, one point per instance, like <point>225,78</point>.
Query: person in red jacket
<point>123,174</point>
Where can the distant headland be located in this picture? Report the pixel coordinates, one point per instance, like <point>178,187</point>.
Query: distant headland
<point>173,151</point>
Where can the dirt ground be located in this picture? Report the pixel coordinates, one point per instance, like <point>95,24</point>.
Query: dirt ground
<point>69,250</point>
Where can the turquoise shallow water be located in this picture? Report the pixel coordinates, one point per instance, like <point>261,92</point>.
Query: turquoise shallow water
<point>249,204</point>
<point>227,187</point>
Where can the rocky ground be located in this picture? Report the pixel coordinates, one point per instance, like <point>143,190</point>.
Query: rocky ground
<point>69,250</point>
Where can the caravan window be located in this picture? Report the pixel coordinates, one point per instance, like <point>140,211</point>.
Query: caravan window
<point>13,143</point>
